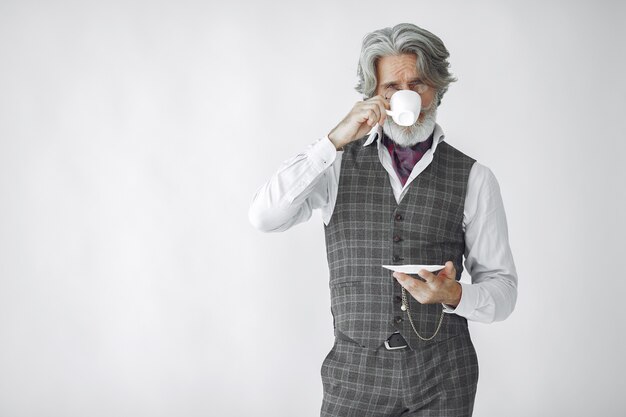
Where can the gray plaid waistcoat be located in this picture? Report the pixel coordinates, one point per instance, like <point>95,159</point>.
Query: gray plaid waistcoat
<point>368,229</point>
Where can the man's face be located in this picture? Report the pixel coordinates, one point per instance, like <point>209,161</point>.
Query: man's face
<point>399,72</point>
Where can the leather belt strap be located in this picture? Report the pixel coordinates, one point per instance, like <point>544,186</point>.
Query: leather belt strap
<point>394,342</point>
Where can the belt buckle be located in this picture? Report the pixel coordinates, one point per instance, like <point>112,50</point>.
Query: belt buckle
<point>388,347</point>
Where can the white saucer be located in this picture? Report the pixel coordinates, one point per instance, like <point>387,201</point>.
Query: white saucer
<point>413,269</point>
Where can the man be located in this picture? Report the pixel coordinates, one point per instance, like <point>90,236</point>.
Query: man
<point>399,195</point>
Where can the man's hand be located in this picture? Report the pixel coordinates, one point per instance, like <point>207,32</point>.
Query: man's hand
<point>440,288</point>
<point>363,116</point>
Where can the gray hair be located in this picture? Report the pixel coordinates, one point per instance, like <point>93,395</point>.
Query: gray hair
<point>405,38</point>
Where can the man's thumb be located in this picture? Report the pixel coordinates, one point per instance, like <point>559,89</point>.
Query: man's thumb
<point>449,270</point>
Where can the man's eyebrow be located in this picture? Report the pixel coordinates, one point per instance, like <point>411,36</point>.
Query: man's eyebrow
<point>412,80</point>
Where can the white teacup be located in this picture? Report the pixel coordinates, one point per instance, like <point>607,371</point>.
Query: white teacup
<point>405,107</point>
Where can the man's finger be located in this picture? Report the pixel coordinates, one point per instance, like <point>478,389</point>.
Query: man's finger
<point>449,270</point>
<point>427,275</point>
<point>407,281</point>
<point>379,110</point>
<point>401,277</point>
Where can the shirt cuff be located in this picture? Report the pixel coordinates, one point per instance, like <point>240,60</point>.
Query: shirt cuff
<point>469,295</point>
<point>322,154</point>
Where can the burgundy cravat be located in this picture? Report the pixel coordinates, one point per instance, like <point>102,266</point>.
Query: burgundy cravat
<point>404,159</point>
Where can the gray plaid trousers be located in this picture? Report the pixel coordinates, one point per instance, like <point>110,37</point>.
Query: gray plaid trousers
<point>438,380</point>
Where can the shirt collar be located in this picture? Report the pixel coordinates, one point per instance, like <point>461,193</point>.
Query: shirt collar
<point>376,134</point>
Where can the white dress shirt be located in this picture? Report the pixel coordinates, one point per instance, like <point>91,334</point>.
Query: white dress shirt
<point>310,180</point>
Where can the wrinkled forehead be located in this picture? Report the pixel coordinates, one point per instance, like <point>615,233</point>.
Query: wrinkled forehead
<point>396,68</point>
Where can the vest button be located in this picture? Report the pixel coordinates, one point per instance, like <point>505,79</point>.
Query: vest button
<point>398,298</point>
<point>398,319</point>
<point>397,258</point>
<point>399,217</point>
<point>397,238</point>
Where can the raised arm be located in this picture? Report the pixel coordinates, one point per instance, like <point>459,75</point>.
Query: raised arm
<point>300,185</point>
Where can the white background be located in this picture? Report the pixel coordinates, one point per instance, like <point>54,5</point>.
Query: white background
<point>133,136</point>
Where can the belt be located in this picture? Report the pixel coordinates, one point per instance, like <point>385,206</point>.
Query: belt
<point>393,342</point>
<point>396,341</point>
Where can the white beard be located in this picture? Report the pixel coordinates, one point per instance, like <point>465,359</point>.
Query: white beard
<point>406,136</point>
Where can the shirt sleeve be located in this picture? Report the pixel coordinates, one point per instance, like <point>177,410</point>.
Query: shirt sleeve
<point>299,186</point>
<point>488,259</point>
